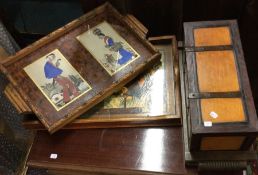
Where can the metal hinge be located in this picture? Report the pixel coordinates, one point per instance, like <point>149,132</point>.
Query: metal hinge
<point>215,95</point>
<point>207,48</point>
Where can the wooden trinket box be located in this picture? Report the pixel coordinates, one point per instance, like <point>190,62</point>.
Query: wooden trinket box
<point>74,68</point>
<point>220,113</point>
<point>152,99</point>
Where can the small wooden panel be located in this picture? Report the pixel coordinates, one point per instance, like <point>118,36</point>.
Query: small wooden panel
<point>217,71</point>
<point>222,143</point>
<point>212,36</point>
<point>221,110</point>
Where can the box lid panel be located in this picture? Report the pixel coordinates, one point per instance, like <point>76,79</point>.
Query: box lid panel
<point>212,36</point>
<point>217,71</point>
<point>222,110</point>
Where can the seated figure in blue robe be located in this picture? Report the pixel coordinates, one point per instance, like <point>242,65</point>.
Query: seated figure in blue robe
<point>51,71</point>
<point>125,55</point>
<point>115,46</point>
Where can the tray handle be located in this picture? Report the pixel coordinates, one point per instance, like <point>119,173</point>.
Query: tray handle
<point>136,24</point>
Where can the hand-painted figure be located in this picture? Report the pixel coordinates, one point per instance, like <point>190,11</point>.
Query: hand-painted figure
<point>125,55</point>
<point>53,71</point>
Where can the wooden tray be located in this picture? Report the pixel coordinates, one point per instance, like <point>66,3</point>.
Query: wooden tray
<point>97,74</point>
<point>22,107</point>
<point>140,103</point>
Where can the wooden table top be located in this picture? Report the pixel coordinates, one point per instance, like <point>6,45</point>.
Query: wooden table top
<point>114,151</point>
<point>111,150</point>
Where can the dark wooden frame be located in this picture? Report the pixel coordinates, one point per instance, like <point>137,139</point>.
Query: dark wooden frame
<point>210,159</point>
<point>132,119</point>
<point>52,119</point>
<point>197,130</point>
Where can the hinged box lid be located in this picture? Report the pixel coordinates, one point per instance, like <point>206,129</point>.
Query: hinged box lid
<point>219,96</point>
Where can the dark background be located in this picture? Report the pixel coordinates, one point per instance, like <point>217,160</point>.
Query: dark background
<point>29,20</point>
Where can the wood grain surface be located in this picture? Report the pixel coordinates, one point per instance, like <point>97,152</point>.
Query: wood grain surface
<point>212,36</point>
<point>3,53</point>
<point>224,109</point>
<point>114,151</point>
<point>15,98</point>
<point>222,143</point>
<point>216,71</point>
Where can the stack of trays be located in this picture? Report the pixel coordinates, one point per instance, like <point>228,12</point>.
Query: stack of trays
<point>80,76</point>
<point>100,71</point>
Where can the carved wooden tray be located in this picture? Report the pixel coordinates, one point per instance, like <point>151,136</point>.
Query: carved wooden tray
<point>152,99</point>
<point>74,68</point>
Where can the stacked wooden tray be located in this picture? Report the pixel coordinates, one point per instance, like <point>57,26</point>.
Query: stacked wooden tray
<point>63,78</point>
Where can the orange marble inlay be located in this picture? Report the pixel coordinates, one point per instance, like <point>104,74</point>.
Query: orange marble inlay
<point>222,110</point>
<point>217,71</point>
<point>212,36</point>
